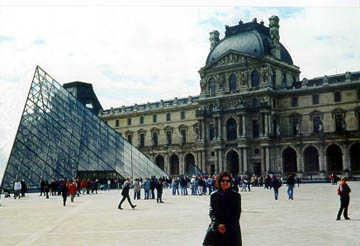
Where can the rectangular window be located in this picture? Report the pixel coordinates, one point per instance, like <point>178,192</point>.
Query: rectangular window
<point>154,118</point>
<point>129,138</point>
<point>142,140</point>
<point>155,139</point>
<point>255,128</point>
<point>337,96</point>
<point>141,120</point>
<point>358,94</point>
<point>129,121</point>
<point>316,124</point>
<point>294,102</point>
<point>168,117</point>
<point>168,137</point>
<point>315,99</point>
<point>338,122</point>
<point>183,136</point>
<point>116,123</point>
<point>182,115</point>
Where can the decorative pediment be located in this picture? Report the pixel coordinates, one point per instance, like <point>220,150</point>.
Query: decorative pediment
<point>141,131</point>
<point>154,129</point>
<point>338,111</point>
<point>182,126</point>
<point>316,113</point>
<point>295,116</point>
<point>168,128</point>
<point>229,58</point>
<point>128,132</point>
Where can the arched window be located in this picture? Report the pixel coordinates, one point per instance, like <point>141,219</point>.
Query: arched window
<point>273,78</point>
<point>255,79</point>
<point>232,82</point>
<point>212,86</point>
<point>231,129</point>
<point>211,132</point>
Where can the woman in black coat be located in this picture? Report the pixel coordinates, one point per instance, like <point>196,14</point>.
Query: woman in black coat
<point>225,210</point>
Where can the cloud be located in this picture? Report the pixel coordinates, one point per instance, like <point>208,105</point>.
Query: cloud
<point>39,42</point>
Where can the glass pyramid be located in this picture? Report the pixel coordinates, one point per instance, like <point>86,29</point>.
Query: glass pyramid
<point>58,137</point>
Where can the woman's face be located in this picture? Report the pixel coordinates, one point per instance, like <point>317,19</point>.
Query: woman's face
<point>225,183</point>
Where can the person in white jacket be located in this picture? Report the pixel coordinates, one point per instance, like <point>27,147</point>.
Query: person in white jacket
<point>17,188</point>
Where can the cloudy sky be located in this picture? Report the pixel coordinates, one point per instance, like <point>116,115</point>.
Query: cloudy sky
<point>143,51</point>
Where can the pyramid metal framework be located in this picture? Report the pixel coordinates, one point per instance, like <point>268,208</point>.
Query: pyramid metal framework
<point>58,136</point>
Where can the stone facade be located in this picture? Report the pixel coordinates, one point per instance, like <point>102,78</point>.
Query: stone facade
<point>253,115</point>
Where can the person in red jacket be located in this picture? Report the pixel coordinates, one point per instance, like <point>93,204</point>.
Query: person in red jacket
<point>344,193</point>
<point>83,185</point>
<point>72,189</point>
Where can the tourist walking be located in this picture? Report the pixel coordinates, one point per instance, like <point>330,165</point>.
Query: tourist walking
<point>291,183</point>
<point>276,184</point>
<point>344,193</point>
<point>23,188</point>
<point>72,190</point>
<point>225,210</point>
<point>64,191</point>
<point>125,194</point>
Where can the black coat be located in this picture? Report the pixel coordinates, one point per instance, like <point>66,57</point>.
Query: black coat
<point>126,188</point>
<point>225,208</point>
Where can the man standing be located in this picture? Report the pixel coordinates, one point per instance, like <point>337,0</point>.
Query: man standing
<point>291,183</point>
<point>344,193</point>
<point>125,194</point>
<point>17,188</point>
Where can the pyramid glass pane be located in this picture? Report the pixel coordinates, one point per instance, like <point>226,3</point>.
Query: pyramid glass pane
<point>58,137</point>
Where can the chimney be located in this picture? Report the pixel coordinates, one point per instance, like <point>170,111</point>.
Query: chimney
<point>214,39</point>
<point>274,37</point>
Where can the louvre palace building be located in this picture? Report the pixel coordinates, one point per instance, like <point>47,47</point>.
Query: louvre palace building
<point>253,116</point>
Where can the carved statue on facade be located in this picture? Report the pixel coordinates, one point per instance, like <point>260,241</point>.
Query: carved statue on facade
<point>203,84</point>
<point>348,75</point>
<point>220,78</point>
<point>265,73</point>
<point>244,77</point>
<point>278,130</point>
<point>325,80</point>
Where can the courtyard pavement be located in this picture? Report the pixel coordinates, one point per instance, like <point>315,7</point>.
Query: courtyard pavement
<point>182,220</point>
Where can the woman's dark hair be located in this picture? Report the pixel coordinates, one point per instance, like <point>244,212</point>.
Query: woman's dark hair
<point>220,176</point>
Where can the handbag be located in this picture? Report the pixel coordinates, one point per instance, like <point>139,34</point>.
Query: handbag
<point>212,236</point>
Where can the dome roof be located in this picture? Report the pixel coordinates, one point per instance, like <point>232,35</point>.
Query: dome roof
<point>250,38</point>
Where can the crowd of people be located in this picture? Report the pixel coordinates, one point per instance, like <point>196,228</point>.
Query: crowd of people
<point>179,185</point>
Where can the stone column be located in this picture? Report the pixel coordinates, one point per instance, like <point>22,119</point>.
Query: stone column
<point>243,125</point>
<point>266,125</point>
<point>346,161</point>
<point>167,163</point>
<point>220,133</point>
<point>241,168</point>
<point>202,130</point>
<point>245,162</point>
<point>322,159</point>
<point>203,162</point>
<point>217,163</point>
<point>267,158</point>
<point>221,162</point>
<point>181,163</point>
<point>239,126</point>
